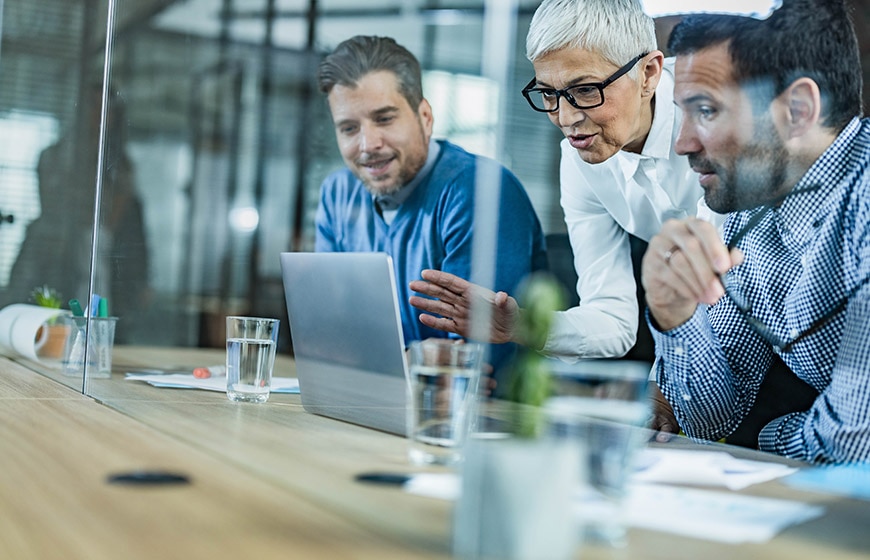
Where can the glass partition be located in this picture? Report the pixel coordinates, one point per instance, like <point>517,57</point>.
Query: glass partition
<point>167,171</point>
<point>189,142</point>
<point>51,67</point>
<point>226,139</point>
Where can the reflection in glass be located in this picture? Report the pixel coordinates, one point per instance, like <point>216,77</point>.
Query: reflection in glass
<point>216,143</point>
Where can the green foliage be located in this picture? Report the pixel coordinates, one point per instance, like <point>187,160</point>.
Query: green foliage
<point>540,296</point>
<point>46,297</point>
<point>530,380</point>
<point>529,389</point>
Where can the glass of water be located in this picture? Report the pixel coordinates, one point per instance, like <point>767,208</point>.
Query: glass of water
<point>251,345</point>
<point>604,408</point>
<point>442,400</point>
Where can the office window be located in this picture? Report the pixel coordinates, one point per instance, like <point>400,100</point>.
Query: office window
<point>23,136</point>
<point>465,109</point>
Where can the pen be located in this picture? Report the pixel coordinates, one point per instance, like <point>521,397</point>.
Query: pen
<point>210,371</point>
<point>95,303</point>
<point>103,308</point>
<point>390,479</point>
<point>148,478</point>
<point>76,308</point>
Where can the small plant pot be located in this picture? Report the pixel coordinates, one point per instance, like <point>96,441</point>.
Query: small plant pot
<point>516,501</point>
<point>50,340</point>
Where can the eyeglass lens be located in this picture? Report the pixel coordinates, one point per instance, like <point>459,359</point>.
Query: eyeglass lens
<point>582,96</point>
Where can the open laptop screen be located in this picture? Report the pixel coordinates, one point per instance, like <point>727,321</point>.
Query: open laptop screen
<point>347,336</point>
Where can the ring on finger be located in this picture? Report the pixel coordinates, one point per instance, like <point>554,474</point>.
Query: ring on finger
<point>670,253</point>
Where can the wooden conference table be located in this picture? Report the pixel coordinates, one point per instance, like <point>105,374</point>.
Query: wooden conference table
<point>267,481</point>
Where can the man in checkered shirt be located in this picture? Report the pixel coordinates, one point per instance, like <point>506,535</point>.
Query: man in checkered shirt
<point>771,123</point>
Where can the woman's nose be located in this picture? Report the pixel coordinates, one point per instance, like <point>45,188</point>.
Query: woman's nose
<point>567,115</point>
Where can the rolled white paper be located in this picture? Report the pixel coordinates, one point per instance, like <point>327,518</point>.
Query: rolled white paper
<point>19,326</point>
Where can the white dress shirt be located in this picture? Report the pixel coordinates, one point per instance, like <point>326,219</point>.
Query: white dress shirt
<point>603,203</point>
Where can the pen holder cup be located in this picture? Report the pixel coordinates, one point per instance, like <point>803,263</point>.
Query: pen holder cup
<point>94,336</point>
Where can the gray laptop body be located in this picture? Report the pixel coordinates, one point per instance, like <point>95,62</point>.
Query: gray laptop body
<point>347,337</point>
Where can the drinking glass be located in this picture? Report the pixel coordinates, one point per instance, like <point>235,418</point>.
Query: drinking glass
<point>443,398</point>
<point>603,406</point>
<point>251,345</point>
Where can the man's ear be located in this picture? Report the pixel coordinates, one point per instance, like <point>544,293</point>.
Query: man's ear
<point>804,105</point>
<point>424,112</point>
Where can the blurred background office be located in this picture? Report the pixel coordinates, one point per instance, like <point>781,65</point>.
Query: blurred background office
<point>208,141</point>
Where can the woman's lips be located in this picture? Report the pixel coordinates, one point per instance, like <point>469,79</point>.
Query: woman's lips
<point>581,141</point>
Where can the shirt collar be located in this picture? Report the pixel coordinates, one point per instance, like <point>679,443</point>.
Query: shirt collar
<point>392,201</point>
<point>658,143</point>
<point>821,180</point>
<point>661,133</point>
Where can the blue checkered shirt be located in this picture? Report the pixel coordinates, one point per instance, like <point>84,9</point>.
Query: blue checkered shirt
<point>803,259</point>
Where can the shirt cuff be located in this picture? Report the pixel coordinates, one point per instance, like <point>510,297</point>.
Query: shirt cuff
<point>783,436</point>
<point>690,331</point>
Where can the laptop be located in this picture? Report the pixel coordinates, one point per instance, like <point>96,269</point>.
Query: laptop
<point>343,313</point>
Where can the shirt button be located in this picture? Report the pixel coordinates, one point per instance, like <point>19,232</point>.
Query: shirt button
<point>803,261</point>
<point>679,351</point>
<point>794,333</point>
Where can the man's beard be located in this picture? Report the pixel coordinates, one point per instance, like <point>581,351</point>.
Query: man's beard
<point>753,178</point>
<point>404,175</point>
<point>380,189</point>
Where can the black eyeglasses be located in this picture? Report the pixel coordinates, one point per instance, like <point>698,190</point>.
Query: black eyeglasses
<point>581,96</point>
<point>734,289</point>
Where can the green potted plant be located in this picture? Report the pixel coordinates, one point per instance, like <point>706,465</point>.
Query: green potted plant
<point>51,337</point>
<point>530,377</point>
<point>517,491</point>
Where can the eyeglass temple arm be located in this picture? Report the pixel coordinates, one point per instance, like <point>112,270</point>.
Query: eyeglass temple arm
<point>531,84</point>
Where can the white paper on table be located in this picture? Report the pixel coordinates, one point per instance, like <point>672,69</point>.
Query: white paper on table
<point>704,468</point>
<point>717,516</point>
<point>444,486</point>
<point>704,514</point>
<point>674,466</point>
<point>20,324</point>
<point>188,381</point>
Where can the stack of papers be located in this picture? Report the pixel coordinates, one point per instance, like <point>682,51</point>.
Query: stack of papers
<point>715,516</point>
<point>703,514</point>
<point>188,381</point>
<point>704,468</point>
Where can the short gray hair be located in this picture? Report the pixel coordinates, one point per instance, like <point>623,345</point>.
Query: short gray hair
<point>618,30</point>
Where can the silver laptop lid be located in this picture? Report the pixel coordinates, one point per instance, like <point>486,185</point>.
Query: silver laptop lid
<point>344,320</point>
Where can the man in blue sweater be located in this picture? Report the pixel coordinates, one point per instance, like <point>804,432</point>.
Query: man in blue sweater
<point>403,193</point>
